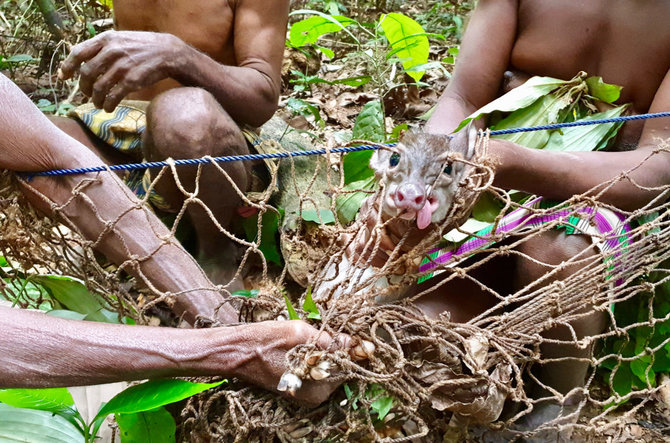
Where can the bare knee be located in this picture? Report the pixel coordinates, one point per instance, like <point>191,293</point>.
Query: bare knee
<point>190,123</point>
<point>552,251</point>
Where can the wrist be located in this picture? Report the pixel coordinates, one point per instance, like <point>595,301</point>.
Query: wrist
<point>179,57</point>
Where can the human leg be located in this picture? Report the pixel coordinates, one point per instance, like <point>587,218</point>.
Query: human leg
<point>190,123</point>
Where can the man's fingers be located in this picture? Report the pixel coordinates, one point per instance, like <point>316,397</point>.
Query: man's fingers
<point>358,349</point>
<point>91,71</point>
<point>80,53</point>
<point>114,96</point>
<point>104,84</point>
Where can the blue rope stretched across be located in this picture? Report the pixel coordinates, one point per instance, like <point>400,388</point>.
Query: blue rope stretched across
<point>279,155</point>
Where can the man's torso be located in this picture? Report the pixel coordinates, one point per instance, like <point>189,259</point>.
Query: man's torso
<point>626,42</point>
<point>206,25</point>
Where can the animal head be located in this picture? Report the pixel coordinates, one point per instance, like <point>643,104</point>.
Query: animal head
<point>421,175</point>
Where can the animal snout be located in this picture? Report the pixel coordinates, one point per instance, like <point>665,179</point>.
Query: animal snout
<point>410,196</point>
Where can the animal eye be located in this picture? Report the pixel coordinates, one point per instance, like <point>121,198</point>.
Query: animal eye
<point>395,159</point>
<point>447,169</point>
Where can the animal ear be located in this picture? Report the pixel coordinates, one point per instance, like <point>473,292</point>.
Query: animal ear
<point>465,140</point>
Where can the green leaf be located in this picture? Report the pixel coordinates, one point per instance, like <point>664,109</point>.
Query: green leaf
<point>21,290</point>
<point>370,123</point>
<point>408,40</point>
<point>247,293</point>
<point>68,315</point>
<point>309,30</point>
<point>326,51</point>
<point>622,381</point>
<point>544,111</point>
<point>357,166</point>
<point>292,315</point>
<point>395,133</point>
<point>153,394</point>
<point>3,261</point>
<point>603,91</point>
<point>586,138</point>
<point>310,307</point>
<point>269,234</point>
<point>33,426</point>
<point>21,58</point>
<point>382,406</point>
<point>73,294</point>
<point>487,208</point>
<point>639,369</point>
<point>47,399</point>
<point>155,426</point>
<point>517,98</point>
<point>321,216</point>
<point>347,205</point>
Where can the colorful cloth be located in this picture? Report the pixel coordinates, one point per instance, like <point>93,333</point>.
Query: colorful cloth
<point>123,128</point>
<point>608,228</point>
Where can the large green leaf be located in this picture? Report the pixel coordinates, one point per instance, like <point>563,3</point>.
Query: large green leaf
<point>20,290</point>
<point>56,400</point>
<point>292,314</point>
<point>357,166</point>
<point>33,426</point>
<point>408,40</point>
<point>310,307</point>
<point>382,406</point>
<point>586,138</point>
<point>47,399</point>
<point>544,111</point>
<point>347,205</point>
<point>151,395</point>
<point>269,232</point>
<point>370,123</point>
<point>321,216</point>
<point>309,30</point>
<point>517,98</point>
<point>328,18</point>
<point>603,91</point>
<point>155,426</point>
<point>73,294</point>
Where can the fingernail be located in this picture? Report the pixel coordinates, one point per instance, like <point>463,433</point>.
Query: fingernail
<point>364,350</point>
<point>314,358</point>
<point>289,383</point>
<point>321,371</point>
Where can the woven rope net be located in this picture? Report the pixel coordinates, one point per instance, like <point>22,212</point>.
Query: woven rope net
<point>429,377</point>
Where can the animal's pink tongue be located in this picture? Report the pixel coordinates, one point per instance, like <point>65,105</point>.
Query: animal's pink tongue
<point>425,214</point>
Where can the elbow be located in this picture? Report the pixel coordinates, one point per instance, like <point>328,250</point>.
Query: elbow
<point>267,102</point>
<point>263,113</point>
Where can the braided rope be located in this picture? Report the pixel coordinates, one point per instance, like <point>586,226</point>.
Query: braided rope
<point>278,155</point>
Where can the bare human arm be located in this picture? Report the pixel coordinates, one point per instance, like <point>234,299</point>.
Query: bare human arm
<point>29,142</point>
<point>117,63</point>
<point>483,58</point>
<point>40,351</point>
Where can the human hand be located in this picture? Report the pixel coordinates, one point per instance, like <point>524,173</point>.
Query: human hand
<point>115,63</point>
<point>262,355</point>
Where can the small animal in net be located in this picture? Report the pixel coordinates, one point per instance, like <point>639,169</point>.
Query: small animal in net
<point>426,180</point>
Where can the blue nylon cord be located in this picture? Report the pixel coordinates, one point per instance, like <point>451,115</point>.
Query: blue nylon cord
<point>276,155</point>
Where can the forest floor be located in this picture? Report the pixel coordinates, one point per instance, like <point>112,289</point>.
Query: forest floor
<point>313,100</point>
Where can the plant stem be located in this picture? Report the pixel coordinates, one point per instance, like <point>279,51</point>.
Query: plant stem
<point>51,17</point>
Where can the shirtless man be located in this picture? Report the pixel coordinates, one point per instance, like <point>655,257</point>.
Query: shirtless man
<point>206,67</point>
<point>43,351</point>
<point>626,43</point>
